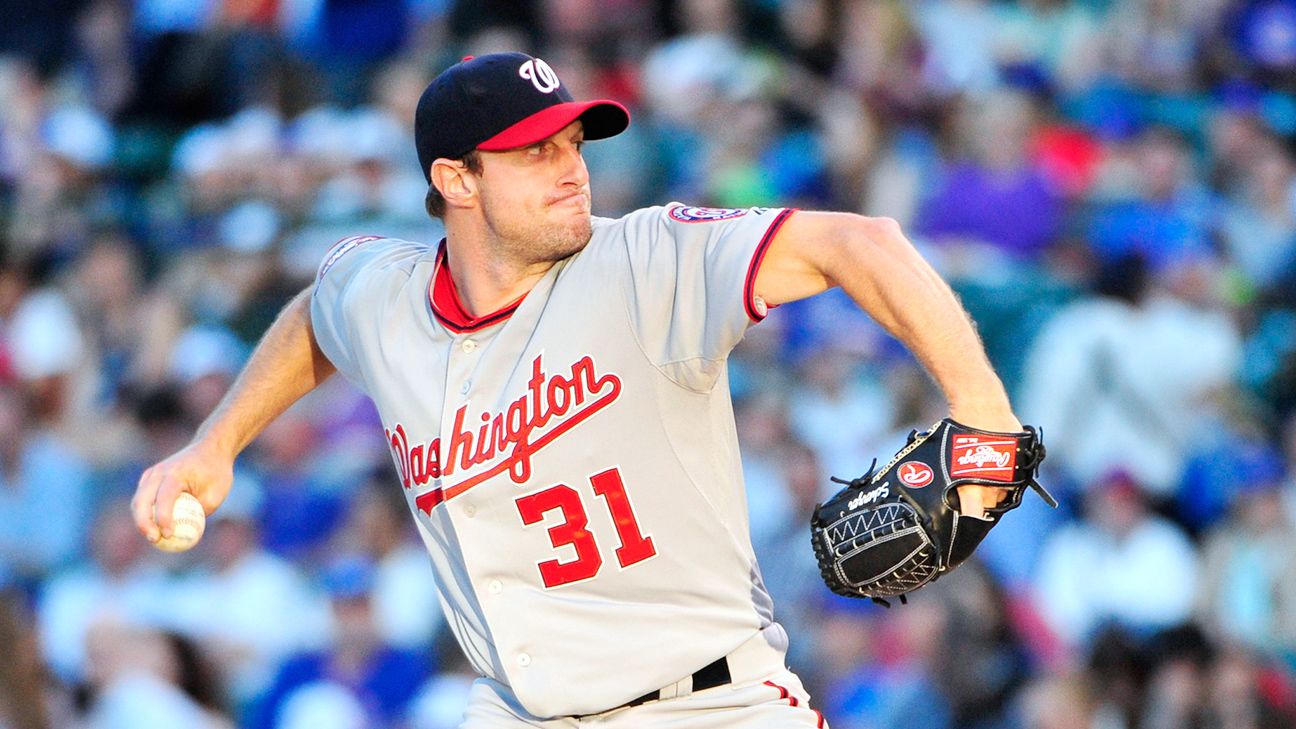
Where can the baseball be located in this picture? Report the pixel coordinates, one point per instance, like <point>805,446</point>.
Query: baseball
<point>187,523</point>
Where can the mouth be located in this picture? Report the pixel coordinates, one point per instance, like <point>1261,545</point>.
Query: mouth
<point>578,198</point>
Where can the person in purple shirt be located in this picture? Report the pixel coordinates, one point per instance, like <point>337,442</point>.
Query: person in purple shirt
<point>995,196</point>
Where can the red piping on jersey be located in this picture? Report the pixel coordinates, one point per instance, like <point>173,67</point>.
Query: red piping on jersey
<point>749,288</point>
<point>448,307</point>
<point>792,701</point>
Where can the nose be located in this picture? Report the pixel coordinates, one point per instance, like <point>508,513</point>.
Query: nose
<point>574,172</point>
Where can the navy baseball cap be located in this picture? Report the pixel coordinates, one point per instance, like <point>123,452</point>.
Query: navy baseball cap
<point>502,101</point>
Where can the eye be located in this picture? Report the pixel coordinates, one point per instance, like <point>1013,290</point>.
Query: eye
<point>538,150</point>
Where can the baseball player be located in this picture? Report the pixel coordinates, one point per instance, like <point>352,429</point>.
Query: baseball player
<point>552,387</point>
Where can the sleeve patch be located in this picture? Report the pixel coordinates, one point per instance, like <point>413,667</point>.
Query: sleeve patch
<point>341,248</point>
<point>690,214</point>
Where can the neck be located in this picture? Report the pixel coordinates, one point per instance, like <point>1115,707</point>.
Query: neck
<point>486,278</point>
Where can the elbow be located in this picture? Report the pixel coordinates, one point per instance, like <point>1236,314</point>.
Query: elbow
<point>879,248</point>
<point>881,227</point>
<point>835,249</point>
<point>884,232</point>
<point>864,238</point>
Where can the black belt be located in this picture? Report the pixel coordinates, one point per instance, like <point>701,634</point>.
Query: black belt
<point>711,675</point>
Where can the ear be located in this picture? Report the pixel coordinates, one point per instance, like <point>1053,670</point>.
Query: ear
<point>455,183</point>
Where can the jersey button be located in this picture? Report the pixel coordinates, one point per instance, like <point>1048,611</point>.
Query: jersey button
<point>496,587</point>
<point>523,660</point>
<point>470,511</point>
<point>469,345</point>
<point>467,385</point>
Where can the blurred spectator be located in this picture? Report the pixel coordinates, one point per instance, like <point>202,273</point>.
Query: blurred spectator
<point>1258,226</point>
<point>959,39</point>
<point>127,329</point>
<point>1060,41</point>
<point>1118,665</point>
<point>443,699</point>
<point>763,437</point>
<point>880,54</point>
<point>203,362</point>
<point>379,680</point>
<point>442,702</point>
<point>44,494</point>
<point>121,583</point>
<point>1154,43</point>
<point>22,695</point>
<point>883,670</point>
<point>1128,366</point>
<point>1176,690</point>
<point>45,344</point>
<point>983,663</point>
<point>1236,136</point>
<point>143,679</point>
<point>1248,583</point>
<point>1287,448</point>
<point>995,197</point>
<point>407,611</point>
<point>61,195</point>
<point>1231,459</point>
<point>1269,369</point>
<point>1264,34</point>
<point>323,705</point>
<point>248,609</point>
<point>1244,692</point>
<point>1121,565</point>
<point>789,572</point>
<point>1192,685</point>
<point>838,410</point>
<point>301,508</point>
<point>1058,702</point>
<point>1155,209</point>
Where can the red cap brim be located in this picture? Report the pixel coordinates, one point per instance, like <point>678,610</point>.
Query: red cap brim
<point>601,119</point>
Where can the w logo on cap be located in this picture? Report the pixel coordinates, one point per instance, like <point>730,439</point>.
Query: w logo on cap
<point>539,74</point>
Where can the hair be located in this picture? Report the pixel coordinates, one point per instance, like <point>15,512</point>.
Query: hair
<point>434,202</point>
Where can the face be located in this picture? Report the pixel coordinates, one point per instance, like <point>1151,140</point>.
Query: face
<point>536,200</point>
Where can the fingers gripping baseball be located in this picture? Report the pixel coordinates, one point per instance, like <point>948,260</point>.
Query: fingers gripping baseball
<point>197,470</point>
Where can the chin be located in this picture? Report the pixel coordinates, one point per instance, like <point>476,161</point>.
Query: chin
<point>573,243</point>
<point>561,240</point>
<point>576,234</point>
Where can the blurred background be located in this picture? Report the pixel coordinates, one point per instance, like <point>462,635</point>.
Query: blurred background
<point>1109,184</point>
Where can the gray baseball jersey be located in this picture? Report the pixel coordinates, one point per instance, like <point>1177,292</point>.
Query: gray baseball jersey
<point>571,460</point>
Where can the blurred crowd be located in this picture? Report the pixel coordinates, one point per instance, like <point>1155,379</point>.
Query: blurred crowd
<point>1110,185</point>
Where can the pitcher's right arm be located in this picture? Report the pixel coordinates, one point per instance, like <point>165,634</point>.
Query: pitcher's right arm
<point>286,364</point>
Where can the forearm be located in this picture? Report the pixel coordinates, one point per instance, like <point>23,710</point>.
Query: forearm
<point>286,364</point>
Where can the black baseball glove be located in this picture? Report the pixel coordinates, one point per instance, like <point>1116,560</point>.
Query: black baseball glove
<point>893,530</point>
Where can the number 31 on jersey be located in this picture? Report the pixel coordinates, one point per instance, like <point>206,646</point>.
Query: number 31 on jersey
<point>571,530</point>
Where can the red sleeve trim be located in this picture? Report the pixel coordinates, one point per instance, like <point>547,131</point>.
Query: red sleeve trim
<point>749,287</point>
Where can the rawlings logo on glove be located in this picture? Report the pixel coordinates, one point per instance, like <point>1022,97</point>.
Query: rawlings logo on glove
<point>892,531</point>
